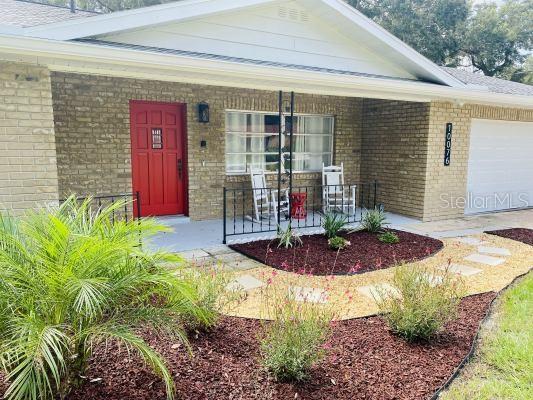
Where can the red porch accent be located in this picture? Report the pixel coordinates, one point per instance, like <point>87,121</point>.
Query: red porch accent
<point>158,156</point>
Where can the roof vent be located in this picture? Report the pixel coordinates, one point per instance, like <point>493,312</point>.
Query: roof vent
<point>293,14</point>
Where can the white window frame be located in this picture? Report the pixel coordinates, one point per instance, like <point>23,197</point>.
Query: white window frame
<point>275,113</point>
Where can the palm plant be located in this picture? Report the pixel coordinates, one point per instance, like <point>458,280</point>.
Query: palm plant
<point>71,279</point>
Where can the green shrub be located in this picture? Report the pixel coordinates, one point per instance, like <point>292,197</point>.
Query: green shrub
<point>70,280</point>
<point>209,283</point>
<point>389,237</point>
<point>338,243</point>
<point>374,221</point>
<point>288,238</point>
<point>422,301</point>
<point>333,223</point>
<point>295,340</point>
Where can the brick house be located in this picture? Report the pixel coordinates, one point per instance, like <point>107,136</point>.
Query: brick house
<point>104,104</point>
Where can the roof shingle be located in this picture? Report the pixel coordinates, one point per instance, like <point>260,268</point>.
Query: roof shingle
<point>494,85</point>
<point>24,13</point>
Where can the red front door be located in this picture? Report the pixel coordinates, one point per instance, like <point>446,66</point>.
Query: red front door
<point>158,156</point>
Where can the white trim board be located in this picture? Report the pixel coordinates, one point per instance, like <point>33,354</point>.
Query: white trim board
<point>92,59</point>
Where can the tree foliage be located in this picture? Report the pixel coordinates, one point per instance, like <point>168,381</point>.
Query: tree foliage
<point>498,39</point>
<point>494,39</point>
<point>432,27</point>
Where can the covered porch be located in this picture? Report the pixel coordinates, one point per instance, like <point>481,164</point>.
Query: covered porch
<point>199,237</point>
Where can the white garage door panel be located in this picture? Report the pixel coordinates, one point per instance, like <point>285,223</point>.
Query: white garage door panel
<point>500,166</point>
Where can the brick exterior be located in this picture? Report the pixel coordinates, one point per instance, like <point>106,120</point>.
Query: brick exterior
<point>93,134</point>
<point>445,185</point>
<point>394,152</point>
<point>28,173</point>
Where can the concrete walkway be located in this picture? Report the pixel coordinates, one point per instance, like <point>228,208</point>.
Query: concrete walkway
<point>473,224</point>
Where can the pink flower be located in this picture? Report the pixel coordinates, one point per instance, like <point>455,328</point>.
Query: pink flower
<point>356,267</point>
<point>274,272</point>
<point>284,265</point>
<point>269,281</point>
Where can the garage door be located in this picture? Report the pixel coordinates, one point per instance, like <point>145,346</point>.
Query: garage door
<point>500,166</point>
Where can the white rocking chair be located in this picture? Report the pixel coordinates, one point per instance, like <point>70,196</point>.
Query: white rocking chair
<point>265,199</point>
<point>335,196</point>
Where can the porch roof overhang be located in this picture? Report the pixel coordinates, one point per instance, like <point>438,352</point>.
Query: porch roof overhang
<point>79,57</point>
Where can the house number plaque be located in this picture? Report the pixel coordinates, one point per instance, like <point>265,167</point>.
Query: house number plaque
<point>448,144</point>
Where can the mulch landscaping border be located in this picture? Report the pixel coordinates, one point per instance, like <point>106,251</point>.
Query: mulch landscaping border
<point>475,342</point>
<point>523,235</point>
<point>366,253</point>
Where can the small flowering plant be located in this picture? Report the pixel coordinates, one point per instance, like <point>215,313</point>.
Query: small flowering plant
<point>296,339</point>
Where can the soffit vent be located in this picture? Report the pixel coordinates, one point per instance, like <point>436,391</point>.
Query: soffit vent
<point>293,14</point>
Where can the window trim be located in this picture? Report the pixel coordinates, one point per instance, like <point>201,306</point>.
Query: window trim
<point>276,113</point>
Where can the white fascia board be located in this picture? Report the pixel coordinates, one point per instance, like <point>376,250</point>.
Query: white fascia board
<point>137,18</point>
<point>392,42</point>
<point>87,58</point>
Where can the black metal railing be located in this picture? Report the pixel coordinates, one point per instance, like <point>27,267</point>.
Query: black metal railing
<point>131,208</point>
<point>248,211</point>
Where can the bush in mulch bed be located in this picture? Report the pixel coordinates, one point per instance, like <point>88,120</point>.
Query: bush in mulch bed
<point>523,235</point>
<point>364,361</point>
<point>365,253</point>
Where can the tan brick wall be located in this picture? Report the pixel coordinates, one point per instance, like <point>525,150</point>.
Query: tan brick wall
<point>28,173</point>
<point>446,186</point>
<point>394,151</point>
<point>93,135</point>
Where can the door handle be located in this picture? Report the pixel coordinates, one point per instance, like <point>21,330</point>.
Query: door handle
<point>180,167</point>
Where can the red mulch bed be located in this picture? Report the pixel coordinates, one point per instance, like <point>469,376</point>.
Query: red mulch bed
<point>365,361</point>
<point>365,253</point>
<point>523,235</point>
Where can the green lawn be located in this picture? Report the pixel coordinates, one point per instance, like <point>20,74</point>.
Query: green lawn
<point>503,367</point>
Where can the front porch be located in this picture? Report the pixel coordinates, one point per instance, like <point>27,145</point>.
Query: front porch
<point>204,238</point>
<point>200,238</point>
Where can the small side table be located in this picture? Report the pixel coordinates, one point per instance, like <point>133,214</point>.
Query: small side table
<point>298,205</point>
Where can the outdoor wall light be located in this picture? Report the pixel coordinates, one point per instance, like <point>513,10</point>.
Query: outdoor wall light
<point>203,112</point>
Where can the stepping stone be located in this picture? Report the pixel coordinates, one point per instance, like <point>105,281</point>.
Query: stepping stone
<point>434,280</point>
<point>230,258</point>
<point>484,259</point>
<point>308,294</point>
<point>373,291</point>
<point>244,265</point>
<point>245,282</point>
<point>193,255</point>
<point>500,251</point>
<point>470,241</point>
<point>218,250</point>
<point>459,269</point>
